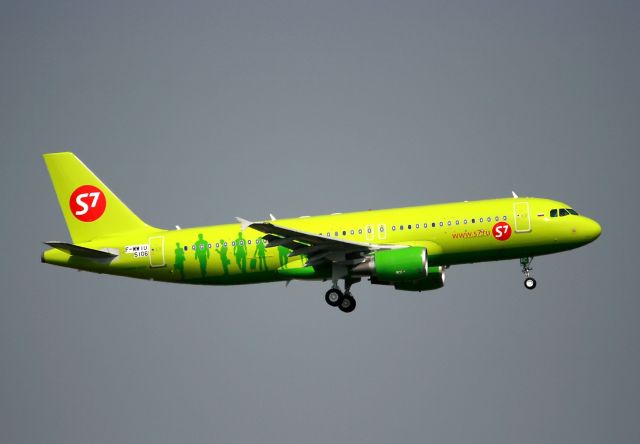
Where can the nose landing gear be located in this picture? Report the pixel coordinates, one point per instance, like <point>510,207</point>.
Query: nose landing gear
<point>529,282</point>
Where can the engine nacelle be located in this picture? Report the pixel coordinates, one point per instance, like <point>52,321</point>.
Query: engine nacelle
<point>433,281</point>
<point>395,266</point>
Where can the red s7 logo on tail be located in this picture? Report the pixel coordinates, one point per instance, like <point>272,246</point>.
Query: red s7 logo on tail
<point>87,203</point>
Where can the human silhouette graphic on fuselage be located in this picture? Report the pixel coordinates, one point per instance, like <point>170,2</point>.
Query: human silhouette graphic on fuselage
<point>240,252</point>
<point>223,256</point>
<point>180,258</point>
<point>261,253</point>
<point>283,255</point>
<point>202,253</point>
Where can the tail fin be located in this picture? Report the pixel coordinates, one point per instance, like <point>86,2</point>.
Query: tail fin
<point>89,207</point>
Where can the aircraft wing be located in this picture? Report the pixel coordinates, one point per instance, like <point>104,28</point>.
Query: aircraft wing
<point>317,248</point>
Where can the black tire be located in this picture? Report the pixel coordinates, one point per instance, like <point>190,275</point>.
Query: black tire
<point>334,297</point>
<point>530,283</point>
<point>348,304</point>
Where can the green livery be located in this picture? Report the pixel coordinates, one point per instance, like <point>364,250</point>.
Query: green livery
<point>407,248</point>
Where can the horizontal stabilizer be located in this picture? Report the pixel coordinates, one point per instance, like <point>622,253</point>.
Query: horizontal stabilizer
<point>77,250</point>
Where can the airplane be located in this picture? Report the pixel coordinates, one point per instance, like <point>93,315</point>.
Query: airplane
<point>407,248</point>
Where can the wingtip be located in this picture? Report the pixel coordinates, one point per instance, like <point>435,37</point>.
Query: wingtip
<point>244,223</point>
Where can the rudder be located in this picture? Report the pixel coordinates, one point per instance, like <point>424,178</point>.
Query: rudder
<point>89,207</point>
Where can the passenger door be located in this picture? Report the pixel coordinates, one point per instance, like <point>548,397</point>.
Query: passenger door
<point>156,251</point>
<point>521,217</point>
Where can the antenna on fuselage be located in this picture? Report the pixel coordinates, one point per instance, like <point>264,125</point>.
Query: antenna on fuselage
<point>515,196</point>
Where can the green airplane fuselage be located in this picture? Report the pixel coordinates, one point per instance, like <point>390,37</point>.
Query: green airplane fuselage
<point>452,233</point>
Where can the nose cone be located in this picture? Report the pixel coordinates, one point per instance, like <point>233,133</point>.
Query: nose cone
<point>590,229</point>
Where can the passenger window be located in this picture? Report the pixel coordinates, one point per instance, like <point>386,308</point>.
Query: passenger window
<point>344,233</point>
<point>442,224</point>
<point>360,231</point>
<point>481,220</point>
<point>563,212</point>
<point>408,226</point>
<point>352,232</point>
<point>504,217</point>
<point>336,234</point>
<point>433,224</point>
<point>393,228</point>
<point>449,222</point>
<point>401,227</point>
<point>489,219</point>
<point>426,225</point>
<point>457,222</point>
<point>473,220</point>
<point>417,226</point>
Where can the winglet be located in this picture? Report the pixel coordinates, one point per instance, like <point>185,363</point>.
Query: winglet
<point>272,216</point>
<point>515,196</point>
<point>244,223</point>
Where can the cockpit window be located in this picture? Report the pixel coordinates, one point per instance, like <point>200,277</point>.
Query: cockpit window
<point>563,212</point>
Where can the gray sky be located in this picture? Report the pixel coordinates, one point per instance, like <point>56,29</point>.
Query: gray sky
<point>196,112</point>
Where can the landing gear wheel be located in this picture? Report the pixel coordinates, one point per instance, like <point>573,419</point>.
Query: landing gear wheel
<point>348,304</point>
<point>529,283</point>
<point>334,297</point>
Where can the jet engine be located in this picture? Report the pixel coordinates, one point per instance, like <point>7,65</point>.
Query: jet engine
<point>405,268</point>
<point>401,265</point>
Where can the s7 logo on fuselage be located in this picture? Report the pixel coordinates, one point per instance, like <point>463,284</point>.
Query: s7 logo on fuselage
<point>87,203</point>
<point>501,231</point>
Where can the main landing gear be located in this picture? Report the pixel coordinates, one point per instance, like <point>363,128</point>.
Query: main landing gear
<point>344,301</point>
<point>529,282</point>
